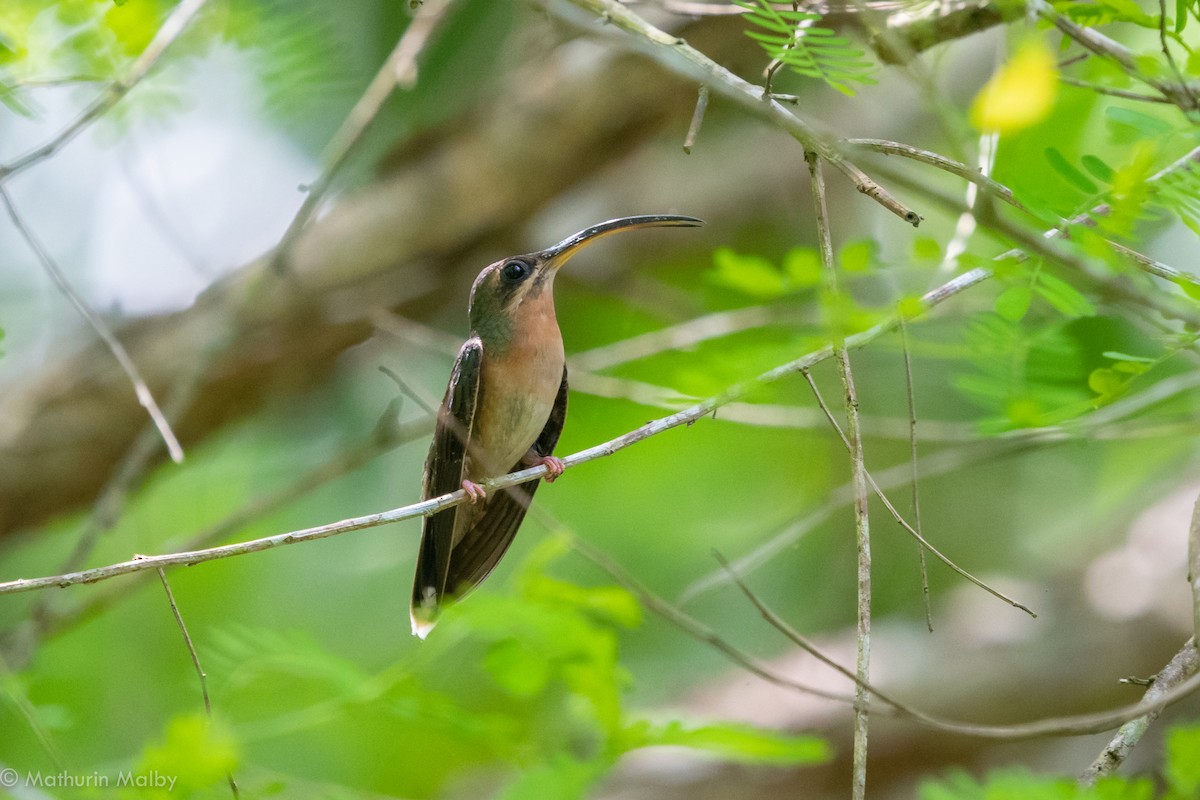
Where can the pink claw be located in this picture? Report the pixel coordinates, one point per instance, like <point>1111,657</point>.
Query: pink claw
<point>554,467</point>
<point>474,491</point>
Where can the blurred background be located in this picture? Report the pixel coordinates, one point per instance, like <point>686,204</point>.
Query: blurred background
<point>1047,469</point>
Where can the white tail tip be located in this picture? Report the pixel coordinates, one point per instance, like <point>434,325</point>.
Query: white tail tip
<point>421,628</point>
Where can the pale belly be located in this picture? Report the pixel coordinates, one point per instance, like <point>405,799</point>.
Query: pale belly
<point>516,408</point>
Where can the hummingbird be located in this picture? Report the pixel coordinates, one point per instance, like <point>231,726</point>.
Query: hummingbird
<point>503,411</point>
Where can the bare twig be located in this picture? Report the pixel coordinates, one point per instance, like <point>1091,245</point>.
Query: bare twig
<point>677,55</point>
<point>1183,666</point>
<point>687,623</point>
<point>896,515</point>
<point>940,162</point>
<point>109,505</point>
<point>673,337</point>
<point>145,398</point>
<point>386,438</point>
<point>1178,93</point>
<point>187,640</point>
<point>858,470</point>
<point>115,91</point>
<point>1083,724</point>
<point>399,71</point>
<point>693,131</point>
<point>1166,49</point>
<point>912,446</point>
<point>947,460</point>
<point>432,506</point>
<point>1112,92</point>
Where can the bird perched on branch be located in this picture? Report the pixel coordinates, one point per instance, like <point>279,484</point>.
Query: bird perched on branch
<point>503,411</point>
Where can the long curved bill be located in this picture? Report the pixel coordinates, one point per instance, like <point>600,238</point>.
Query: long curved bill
<point>560,253</point>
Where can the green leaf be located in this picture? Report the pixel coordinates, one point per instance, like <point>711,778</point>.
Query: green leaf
<point>196,752</point>
<point>803,267</point>
<point>1115,356</point>
<point>1143,123</point>
<point>516,668</point>
<point>857,256</point>
<point>910,306</point>
<point>1097,168</point>
<point>1013,302</point>
<point>926,248</point>
<point>749,274</point>
<point>1182,769</point>
<point>1106,382</point>
<point>1064,168</point>
<point>1064,297</point>
<point>807,50</point>
<point>740,743</point>
<point>1181,16</point>
<point>562,778</point>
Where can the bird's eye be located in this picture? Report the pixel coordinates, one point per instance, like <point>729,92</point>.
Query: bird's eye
<point>514,271</point>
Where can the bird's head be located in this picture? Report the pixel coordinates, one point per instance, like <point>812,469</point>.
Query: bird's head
<point>508,285</point>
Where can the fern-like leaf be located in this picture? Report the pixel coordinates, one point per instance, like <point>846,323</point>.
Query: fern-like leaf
<point>1179,193</point>
<point>791,38</point>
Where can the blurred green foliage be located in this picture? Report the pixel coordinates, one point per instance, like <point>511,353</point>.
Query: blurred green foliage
<point>1181,768</point>
<point>540,682</point>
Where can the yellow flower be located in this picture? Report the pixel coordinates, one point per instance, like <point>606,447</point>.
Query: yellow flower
<point>1020,94</point>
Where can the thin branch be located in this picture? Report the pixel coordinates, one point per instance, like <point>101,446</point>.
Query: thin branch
<point>432,506</point>
<point>1166,49</point>
<point>115,91</point>
<point>1183,666</point>
<point>1079,725</point>
<point>187,640</point>
<point>674,337</point>
<point>1112,92</point>
<point>940,162</point>
<point>386,438</point>
<point>948,460</point>
<point>687,623</point>
<point>1101,45</point>
<point>903,523</point>
<point>399,71</point>
<point>145,398</point>
<point>862,529</point>
<point>678,56</point>
<point>693,131</point>
<point>912,449</point>
<point>109,505</point>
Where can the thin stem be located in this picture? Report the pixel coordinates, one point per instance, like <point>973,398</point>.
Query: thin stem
<point>187,640</point>
<point>940,162</point>
<point>1112,92</point>
<point>144,396</point>
<point>862,529</point>
<point>693,131</point>
<point>1101,45</point>
<point>896,515</point>
<point>1079,725</point>
<point>912,448</point>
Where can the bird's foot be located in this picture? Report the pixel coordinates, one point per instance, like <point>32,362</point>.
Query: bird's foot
<point>474,491</point>
<point>554,467</point>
